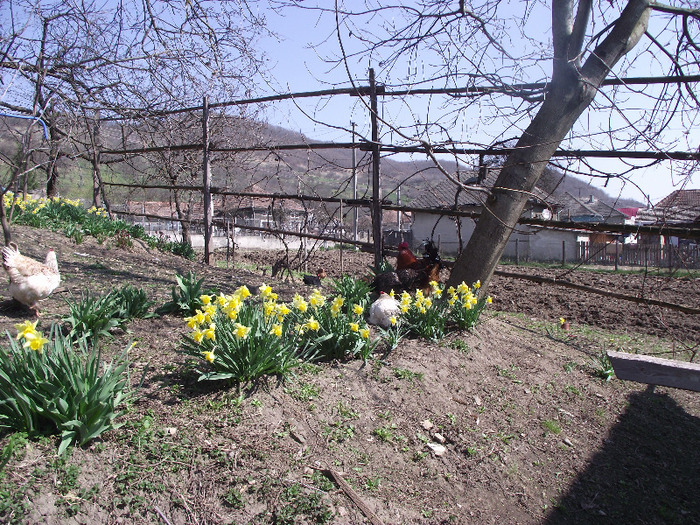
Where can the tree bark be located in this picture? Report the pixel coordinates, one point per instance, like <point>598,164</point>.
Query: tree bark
<point>573,89</point>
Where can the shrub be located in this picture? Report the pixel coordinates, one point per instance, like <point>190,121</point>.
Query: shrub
<point>428,317</point>
<point>59,386</point>
<point>333,329</point>
<point>353,290</point>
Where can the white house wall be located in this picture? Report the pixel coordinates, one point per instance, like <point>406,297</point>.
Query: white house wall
<point>445,233</point>
<point>533,245</point>
<point>542,245</point>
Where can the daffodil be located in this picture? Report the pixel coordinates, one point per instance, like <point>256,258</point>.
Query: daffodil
<point>269,308</point>
<point>265,290</point>
<point>336,305</point>
<point>316,300</point>
<point>392,320</point>
<point>354,326</point>
<point>364,333</point>
<point>35,341</point>
<point>562,320</point>
<point>312,324</point>
<point>210,333</point>
<point>27,327</point>
<point>276,330</point>
<point>357,309</point>
<point>191,322</point>
<point>197,335</point>
<point>241,331</point>
<point>206,299</point>
<point>209,355</point>
<point>489,300</point>
<point>299,303</point>
<point>477,285</point>
<point>242,292</point>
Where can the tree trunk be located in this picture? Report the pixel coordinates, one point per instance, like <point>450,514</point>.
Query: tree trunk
<point>572,90</point>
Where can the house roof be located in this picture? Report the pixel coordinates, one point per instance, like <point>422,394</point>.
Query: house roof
<point>443,194</point>
<point>681,199</point>
<point>589,209</point>
<point>679,206</point>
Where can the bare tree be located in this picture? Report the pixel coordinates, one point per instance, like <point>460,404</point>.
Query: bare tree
<point>131,58</point>
<point>525,78</point>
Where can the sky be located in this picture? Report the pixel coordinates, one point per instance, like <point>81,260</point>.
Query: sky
<point>297,67</point>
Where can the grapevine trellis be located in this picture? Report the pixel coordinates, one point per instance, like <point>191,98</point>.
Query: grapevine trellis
<point>376,204</point>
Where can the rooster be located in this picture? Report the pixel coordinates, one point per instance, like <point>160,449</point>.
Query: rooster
<point>30,280</point>
<point>315,280</point>
<point>411,273</point>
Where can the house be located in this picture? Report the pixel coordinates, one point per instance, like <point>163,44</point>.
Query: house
<point>527,242</point>
<point>264,212</point>
<point>679,207</point>
<point>446,230</point>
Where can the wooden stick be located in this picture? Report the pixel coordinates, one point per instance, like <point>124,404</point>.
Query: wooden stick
<point>624,297</point>
<point>338,479</point>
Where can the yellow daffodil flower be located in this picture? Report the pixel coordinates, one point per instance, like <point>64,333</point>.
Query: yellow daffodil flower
<point>209,355</point>
<point>242,292</point>
<point>299,303</point>
<point>392,320</point>
<point>489,300</point>
<point>276,330</point>
<point>206,299</point>
<point>241,331</point>
<point>27,327</point>
<point>354,326</point>
<point>210,333</point>
<point>364,333</point>
<point>35,341</point>
<point>197,335</point>
<point>265,290</point>
<point>191,322</point>
<point>312,324</point>
<point>357,309</point>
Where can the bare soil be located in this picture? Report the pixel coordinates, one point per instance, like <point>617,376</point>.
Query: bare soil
<point>531,434</point>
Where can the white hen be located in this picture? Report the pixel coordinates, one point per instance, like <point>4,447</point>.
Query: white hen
<point>30,280</point>
<point>383,309</point>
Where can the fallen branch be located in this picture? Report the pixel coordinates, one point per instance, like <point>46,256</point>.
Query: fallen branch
<point>338,479</point>
<point>605,293</point>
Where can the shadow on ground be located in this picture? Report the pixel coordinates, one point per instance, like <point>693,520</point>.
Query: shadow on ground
<point>647,472</point>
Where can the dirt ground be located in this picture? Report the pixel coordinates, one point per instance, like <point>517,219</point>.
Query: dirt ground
<point>530,434</point>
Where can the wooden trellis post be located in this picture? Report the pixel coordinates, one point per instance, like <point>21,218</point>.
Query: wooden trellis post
<point>376,179</point>
<point>206,186</point>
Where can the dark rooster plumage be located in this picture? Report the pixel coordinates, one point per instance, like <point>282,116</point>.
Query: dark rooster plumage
<point>411,273</point>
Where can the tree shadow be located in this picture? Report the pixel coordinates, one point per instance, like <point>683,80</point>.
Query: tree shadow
<point>648,471</point>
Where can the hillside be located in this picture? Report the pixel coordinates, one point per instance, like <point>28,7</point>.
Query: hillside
<point>530,433</point>
<point>325,172</point>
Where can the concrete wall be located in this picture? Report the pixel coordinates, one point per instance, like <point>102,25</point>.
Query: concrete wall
<point>532,244</point>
